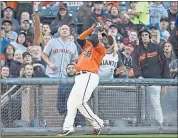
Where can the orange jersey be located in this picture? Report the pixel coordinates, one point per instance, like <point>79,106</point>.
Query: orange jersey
<point>91,57</point>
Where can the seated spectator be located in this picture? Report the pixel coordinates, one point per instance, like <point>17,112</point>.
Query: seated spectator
<point>163,26</point>
<point>156,12</point>
<point>114,12</point>
<point>174,68</point>
<point>8,15</point>
<point>61,19</point>
<point>126,54</point>
<point>26,27</point>
<point>2,59</point>
<point>20,43</point>
<point>155,36</point>
<point>97,14</point>
<point>8,34</point>
<point>84,11</point>
<point>169,52</point>
<point>16,64</point>
<point>139,13</point>
<point>9,53</point>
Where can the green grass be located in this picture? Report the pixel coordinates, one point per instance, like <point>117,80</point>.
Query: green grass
<point>102,136</point>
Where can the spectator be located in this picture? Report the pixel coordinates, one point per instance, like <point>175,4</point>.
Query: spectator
<point>28,71</point>
<point>155,36</point>
<point>8,15</point>
<point>107,23</point>
<point>3,6</point>
<point>16,64</point>
<point>113,31</point>
<point>46,29</point>
<point>174,68</point>
<point>147,57</point>
<point>84,11</point>
<point>2,59</point>
<point>27,58</point>
<point>114,12</point>
<point>9,53</point>
<point>139,13</point>
<point>172,11</point>
<point>111,62</point>
<point>24,16</point>
<point>61,19</point>
<point>156,12</point>
<point>8,34</point>
<point>164,24</point>
<point>45,40</point>
<point>169,52</point>
<point>26,27</point>
<point>20,43</point>
<point>126,54</point>
<point>5,75</point>
<point>63,94</point>
<point>97,14</point>
<point>59,48</point>
<point>124,25</point>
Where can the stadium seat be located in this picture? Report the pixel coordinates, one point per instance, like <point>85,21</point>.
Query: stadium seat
<point>54,10</point>
<point>45,11</point>
<point>74,15</point>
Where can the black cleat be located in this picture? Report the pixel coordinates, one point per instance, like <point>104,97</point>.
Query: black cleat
<point>65,133</point>
<point>96,132</point>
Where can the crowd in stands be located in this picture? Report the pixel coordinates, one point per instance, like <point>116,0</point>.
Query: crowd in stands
<point>26,37</point>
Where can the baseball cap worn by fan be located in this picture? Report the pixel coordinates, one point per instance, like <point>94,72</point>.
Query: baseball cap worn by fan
<point>25,54</point>
<point>63,7</point>
<point>6,21</point>
<point>164,18</point>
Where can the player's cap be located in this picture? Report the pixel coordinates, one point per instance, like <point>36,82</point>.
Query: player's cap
<point>109,37</point>
<point>25,54</point>
<point>6,21</point>
<point>164,18</point>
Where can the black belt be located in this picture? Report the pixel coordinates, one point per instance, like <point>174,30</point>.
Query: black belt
<point>81,72</point>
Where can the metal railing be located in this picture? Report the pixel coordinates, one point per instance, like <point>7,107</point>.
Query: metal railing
<point>121,103</point>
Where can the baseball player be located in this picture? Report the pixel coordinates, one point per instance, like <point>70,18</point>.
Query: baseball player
<point>86,80</point>
<point>58,53</point>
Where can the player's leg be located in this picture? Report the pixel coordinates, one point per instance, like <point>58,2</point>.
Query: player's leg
<point>83,107</point>
<point>155,101</point>
<point>71,111</point>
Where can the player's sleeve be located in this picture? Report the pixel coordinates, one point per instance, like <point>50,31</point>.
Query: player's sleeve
<point>75,54</point>
<point>100,49</point>
<point>48,48</point>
